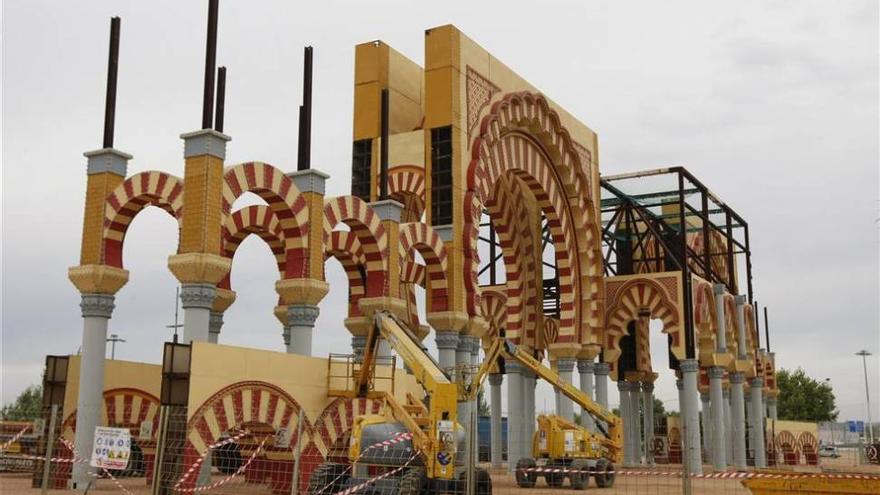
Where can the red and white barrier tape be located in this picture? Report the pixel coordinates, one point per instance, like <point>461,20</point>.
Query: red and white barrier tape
<point>198,462</point>
<point>719,475</point>
<point>77,459</point>
<point>400,437</point>
<point>227,479</point>
<point>358,487</point>
<point>15,438</point>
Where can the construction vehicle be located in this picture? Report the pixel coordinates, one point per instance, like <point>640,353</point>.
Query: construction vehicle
<point>560,448</point>
<point>428,449</point>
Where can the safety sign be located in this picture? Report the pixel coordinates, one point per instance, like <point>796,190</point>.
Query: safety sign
<point>111,448</point>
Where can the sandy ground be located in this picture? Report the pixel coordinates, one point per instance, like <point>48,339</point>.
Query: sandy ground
<point>503,483</point>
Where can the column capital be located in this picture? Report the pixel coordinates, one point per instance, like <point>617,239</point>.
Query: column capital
<point>624,386</point>
<point>719,289</point>
<point>444,231</point>
<point>740,299</point>
<point>215,322</point>
<point>601,369</point>
<point>446,339</point>
<point>205,142</point>
<point>495,379</point>
<point>565,364</point>
<point>756,382</point>
<point>285,334</point>
<point>387,209</point>
<point>97,305</point>
<point>737,377</point>
<point>771,400</point>
<point>689,365</point>
<point>447,320</point>
<point>647,386</point>
<point>513,367</point>
<point>197,295</point>
<point>715,372</point>
<point>586,366</point>
<point>303,315</point>
<point>301,290</point>
<point>107,160</point>
<point>704,396</point>
<point>199,268</point>
<point>97,279</point>
<point>309,180</point>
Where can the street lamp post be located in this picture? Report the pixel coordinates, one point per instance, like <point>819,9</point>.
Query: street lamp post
<point>828,384</point>
<point>865,355</point>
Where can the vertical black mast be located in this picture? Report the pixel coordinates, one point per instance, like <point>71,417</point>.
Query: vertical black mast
<point>112,70</point>
<point>305,114</point>
<point>210,65</point>
<point>221,99</point>
<point>383,150</point>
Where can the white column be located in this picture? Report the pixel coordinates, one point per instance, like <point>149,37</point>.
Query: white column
<point>529,408</point>
<point>626,414</point>
<point>301,320</point>
<point>716,396</point>
<point>737,412</point>
<point>601,370</point>
<point>566,369</point>
<point>495,431</point>
<point>706,421</point>
<point>514,414</point>
<point>690,368</point>
<point>197,301</point>
<point>741,328</point>
<point>771,408</point>
<point>462,362</point>
<point>215,323</point>
<point>447,342</point>
<point>648,416</point>
<point>728,429</point>
<point>757,426</point>
<point>96,312</point>
<point>585,368</point>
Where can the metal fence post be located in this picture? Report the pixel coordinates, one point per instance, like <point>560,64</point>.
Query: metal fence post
<point>50,449</point>
<point>160,450</point>
<point>294,487</point>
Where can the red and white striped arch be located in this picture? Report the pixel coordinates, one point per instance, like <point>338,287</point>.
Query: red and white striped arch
<point>261,221</point>
<point>422,238</point>
<point>406,185</point>
<point>130,198</point>
<point>285,201</point>
<point>336,420</point>
<point>633,295</point>
<point>123,408</point>
<point>365,224</point>
<point>345,247</point>
<point>240,404</point>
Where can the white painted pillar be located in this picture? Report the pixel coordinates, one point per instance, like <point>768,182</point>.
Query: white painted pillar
<point>496,446</point>
<point>301,320</point>
<point>214,325</point>
<point>585,369</point>
<point>515,414</point>
<point>96,312</point>
<point>648,417</point>
<point>706,421</point>
<point>757,426</point>
<point>623,388</point>
<point>737,412</point>
<point>690,369</point>
<point>741,327</point>
<point>728,429</point>
<point>716,396</point>
<point>771,408</point>
<point>529,407</point>
<point>197,301</point>
<point>566,369</point>
<point>447,343</point>
<point>600,371</point>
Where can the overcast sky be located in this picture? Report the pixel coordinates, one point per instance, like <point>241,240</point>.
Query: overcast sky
<point>774,105</point>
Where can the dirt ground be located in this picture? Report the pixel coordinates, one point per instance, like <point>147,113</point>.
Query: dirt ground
<point>503,483</point>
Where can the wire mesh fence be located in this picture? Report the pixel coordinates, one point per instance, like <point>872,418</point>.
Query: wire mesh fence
<point>165,455</point>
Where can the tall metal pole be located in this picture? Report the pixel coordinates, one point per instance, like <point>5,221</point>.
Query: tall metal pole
<point>221,99</point>
<point>210,65</point>
<point>865,355</point>
<point>766,329</point>
<point>112,70</point>
<point>176,325</point>
<point>383,150</point>
<point>305,114</point>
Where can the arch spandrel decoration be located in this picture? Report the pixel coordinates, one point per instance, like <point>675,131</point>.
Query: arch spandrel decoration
<point>130,198</point>
<point>123,408</point>
<point>630,296</point>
